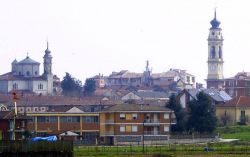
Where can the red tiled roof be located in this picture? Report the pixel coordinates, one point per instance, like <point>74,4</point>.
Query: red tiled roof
<point>239,101</point>
<point>36,100</point>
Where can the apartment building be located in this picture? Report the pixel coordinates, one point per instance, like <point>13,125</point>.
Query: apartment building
<point>85,125</point>
<point>124,124</point>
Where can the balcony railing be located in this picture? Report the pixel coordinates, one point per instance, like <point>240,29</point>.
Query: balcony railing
<point>109,121</point>
<point>151,122</point>
<point>152,133</point>
<point>109,133</point>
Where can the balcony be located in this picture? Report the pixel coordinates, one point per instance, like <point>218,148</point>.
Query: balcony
<point>156,132</point>
<point>151,122</point>
<point>109,121</point>
<point>109,133</point>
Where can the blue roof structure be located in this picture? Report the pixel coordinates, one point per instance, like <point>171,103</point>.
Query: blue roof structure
<point>215,23</point>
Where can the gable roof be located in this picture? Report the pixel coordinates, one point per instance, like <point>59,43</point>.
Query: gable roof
<point>74,110</point>
<point>68,133</point>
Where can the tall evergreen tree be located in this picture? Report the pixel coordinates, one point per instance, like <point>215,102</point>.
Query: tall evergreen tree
<point>71,86</point>
<point>180,114</point>
<point>202,114</point>
<point>89,87</point>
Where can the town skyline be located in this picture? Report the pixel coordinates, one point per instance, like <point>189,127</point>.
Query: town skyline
<point>93,38</point>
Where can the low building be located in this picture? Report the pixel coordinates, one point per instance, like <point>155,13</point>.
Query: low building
<point>234,111</point>
<point>85,124</point>
<point>125,124</point>
<point>239,85</point>
<point>7,129</point>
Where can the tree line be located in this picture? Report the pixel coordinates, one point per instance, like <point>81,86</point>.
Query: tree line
<point>74,87</point>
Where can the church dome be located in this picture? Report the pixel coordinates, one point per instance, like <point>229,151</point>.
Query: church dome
<point>215,23</point>
<point>28,60</point>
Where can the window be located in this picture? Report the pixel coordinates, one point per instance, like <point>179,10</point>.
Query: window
<point>213,33</point>
<point>15,86</point>
<point>166,128</point>
<point>128,128</point>
<point>19,73</point>
<point>134,128</point>
<point>47,119</point>
<point>28,73</point>
<point>36,73</point>
<point>193,79</point>
<point>212,52</point>
<point>90,119</point>
<point>220,52</point>
<point>70,119</point>
<point>188,79</point>
<point>134,116</point>
<point>40,86</point>
<point>166,116</point>
<point>122,128</point>
<point>122,116</point>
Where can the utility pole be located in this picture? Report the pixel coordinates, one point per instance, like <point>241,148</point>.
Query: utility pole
<point>15,98</point>
<point>143,137</point>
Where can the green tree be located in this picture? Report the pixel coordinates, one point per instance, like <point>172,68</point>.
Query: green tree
<point>180,114</point>
<point>202,114</point>
<point>71,86</point>
<point>89,87</point>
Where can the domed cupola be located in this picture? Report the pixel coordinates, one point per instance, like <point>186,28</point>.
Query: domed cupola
<point>215,23</point>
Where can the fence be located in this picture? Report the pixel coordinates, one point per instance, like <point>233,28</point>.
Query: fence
<point>170,149</point>
<point>31,148</point>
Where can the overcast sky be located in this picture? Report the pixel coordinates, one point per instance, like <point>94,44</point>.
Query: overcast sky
<point>101,36</point>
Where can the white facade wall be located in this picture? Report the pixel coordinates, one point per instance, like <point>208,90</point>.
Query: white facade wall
<point>21,85</point>
<point>36,85</point>
<point>23,69</point>
<point>4,86</point>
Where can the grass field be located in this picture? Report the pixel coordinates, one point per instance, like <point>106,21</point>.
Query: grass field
<point>234,149</point>
<point>241,132</point>
<point>214,149</point>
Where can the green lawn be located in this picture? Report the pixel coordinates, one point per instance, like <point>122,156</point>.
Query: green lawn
<point>241,132</point>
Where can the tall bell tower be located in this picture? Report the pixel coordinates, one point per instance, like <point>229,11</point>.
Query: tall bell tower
<point>215,78</point>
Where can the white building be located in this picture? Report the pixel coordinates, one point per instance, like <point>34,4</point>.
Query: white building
<point>25,76</point>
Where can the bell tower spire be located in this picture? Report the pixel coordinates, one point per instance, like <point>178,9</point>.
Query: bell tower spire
<point>215,78</point>
<point>47,61</point>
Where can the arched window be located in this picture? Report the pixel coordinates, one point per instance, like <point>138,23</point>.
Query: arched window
<point>28,73</point>
<point>220,52</point>
<point>212,52</point>
<point>35,72</point>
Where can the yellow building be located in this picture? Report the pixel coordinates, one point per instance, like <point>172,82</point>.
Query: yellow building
<point>234,111</point>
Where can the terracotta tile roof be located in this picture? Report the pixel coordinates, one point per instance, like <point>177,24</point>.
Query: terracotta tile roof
<point>239,101</point>
<point>36,100</point>
<point>135,107</point>
<point>10,115</point>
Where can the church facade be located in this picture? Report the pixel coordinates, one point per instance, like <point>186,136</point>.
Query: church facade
<point>25,76</point>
